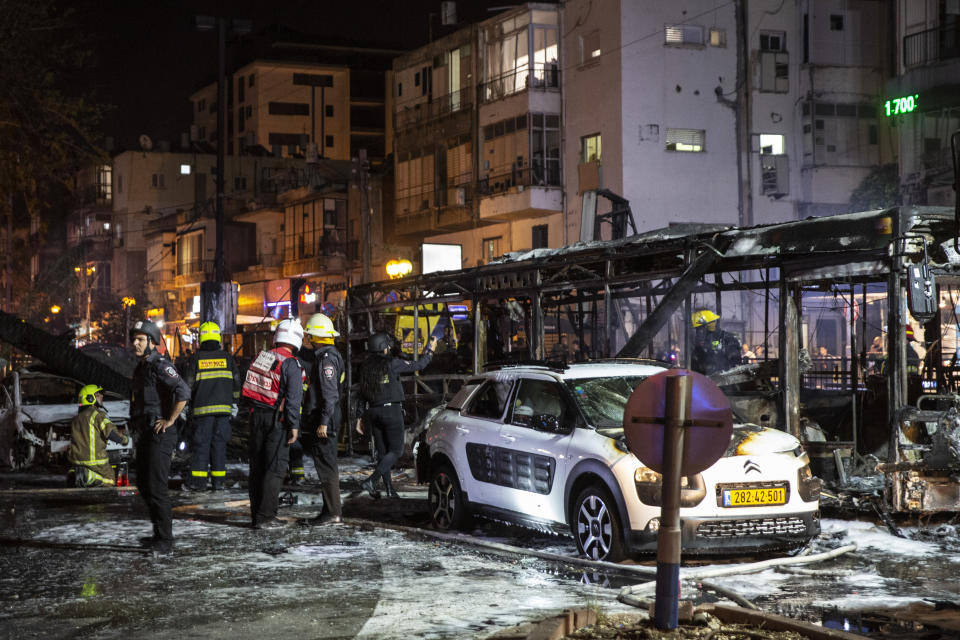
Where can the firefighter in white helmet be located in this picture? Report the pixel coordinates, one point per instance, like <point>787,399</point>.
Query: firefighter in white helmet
<point>272,393</point>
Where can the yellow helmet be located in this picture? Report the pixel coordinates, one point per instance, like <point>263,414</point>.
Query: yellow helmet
<point>320,326</point>
<point>209,331</point>
<point>702,317</point>
<point>88,394</point>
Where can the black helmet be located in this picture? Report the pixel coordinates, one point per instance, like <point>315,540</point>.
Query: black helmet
<point>379,341</point>
<point>148,329</point>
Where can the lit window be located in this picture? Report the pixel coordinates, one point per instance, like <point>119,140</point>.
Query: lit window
<point>590,148</point>
<point>595,53</point>
<point>684,34</point>
<point>718,37</point>
<point>771,144</point>
<point>685,140</point>
<point>184,169</point>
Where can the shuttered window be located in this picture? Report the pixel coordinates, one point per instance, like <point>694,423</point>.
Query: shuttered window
<point>685,140</point>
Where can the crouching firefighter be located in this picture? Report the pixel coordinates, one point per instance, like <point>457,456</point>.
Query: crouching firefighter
<point>272,393</point>
<point>89,433</point>
<point>214,381</point>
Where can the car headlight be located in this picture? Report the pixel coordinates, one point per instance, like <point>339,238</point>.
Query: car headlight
<point>645,474</point>
<point>808,486</point>
<point>650,483</point>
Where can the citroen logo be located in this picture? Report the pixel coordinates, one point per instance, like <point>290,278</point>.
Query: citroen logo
<point>749,466</point>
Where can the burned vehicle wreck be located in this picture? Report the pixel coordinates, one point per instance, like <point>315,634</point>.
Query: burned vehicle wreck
<point>850,328</point>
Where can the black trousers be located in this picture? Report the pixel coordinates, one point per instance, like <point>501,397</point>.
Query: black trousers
<point>269,456</point>
<point>296,458</point>
<point>208,447</point>
<point>386,425</point>
<point>324,454</point>
<point>154,451</point>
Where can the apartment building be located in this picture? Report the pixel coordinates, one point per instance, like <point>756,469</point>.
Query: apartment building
<point>923,100</point>
<point>477,121</point>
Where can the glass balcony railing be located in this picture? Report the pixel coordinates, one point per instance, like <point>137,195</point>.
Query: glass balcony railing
<point>539,76</point>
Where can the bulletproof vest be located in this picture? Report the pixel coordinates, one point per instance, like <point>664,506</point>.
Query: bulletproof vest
<point>213,384</point>
<point>146,401</point>
<point>387,388</point>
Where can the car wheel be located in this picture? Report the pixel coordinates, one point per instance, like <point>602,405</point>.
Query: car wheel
<point>596,526</point>
<point>21,454</point>
<point>448,510</point>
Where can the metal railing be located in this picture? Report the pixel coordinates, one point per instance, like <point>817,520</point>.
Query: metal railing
<point>540,76</point>
<point>435,108</point>
<point>931,45</point>
<point>537,175</point>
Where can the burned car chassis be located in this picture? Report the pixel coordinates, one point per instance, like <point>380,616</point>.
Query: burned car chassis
<point>782,283</point>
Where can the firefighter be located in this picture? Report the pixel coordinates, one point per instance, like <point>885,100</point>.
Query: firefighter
<point>323,417</point>
<point>158,396</point>
<point>714,349</point>
<point>272,393</point>
<point>89,433</point>
<point>380,387</point>
<point>214,380</point>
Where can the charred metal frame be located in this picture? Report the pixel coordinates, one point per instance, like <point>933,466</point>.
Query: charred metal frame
<point>665,268</point>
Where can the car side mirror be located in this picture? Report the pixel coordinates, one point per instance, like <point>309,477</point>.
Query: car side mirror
<point>547,423</point>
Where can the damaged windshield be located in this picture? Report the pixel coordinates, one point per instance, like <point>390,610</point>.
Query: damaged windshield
<point>603,399</point>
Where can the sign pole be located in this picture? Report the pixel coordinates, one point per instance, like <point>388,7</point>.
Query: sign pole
<point>666,607</point>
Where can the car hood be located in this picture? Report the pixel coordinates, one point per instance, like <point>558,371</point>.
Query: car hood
<point>50,413</point>
<point>753,440</point>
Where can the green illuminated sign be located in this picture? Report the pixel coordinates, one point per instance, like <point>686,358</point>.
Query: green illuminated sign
<point>906,104</point>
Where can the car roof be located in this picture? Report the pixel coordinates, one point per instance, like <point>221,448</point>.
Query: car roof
<point>582,370</point>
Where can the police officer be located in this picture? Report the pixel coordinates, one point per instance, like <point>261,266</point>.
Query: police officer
<point>380,387</point>
<point>214,381</point>
<point>89,433</point>
<point>273,390</point>
<point>158,396</point>
<point>323,416</point>
<point>714,349</point>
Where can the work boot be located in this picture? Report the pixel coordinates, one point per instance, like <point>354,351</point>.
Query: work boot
<point>147,541</point>
<point>324,519</point>
<point>388,485</point>
<point>368,486</point>
<point>162,547</point>
<point>272,523</point>
<point>188,487</point>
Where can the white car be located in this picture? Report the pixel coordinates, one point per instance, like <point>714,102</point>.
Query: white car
<point>544,447</point>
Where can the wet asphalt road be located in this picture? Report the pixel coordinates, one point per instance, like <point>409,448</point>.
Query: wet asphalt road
<point>70,567</point>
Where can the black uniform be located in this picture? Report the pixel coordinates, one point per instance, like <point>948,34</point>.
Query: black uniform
<point>269,451</point>
<point>326,378</point>
<point>213,376</point>
<point>715,351</point>
<point>295,473</point>
<point>384,416</point>
<point>157,387</point>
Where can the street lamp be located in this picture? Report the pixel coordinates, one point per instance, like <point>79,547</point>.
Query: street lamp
<point>55,309</point>
<point>398,268</point>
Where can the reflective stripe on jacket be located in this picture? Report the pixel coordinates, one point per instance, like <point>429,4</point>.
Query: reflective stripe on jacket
<point>214,380</point>
<point>88,437</point>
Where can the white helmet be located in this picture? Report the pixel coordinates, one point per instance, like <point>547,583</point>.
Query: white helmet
<point>289,332</point>
<point>321,326</point>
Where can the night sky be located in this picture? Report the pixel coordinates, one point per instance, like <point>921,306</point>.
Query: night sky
<point>148,57</point>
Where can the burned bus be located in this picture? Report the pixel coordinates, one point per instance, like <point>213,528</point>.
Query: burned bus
<point>850,325</point>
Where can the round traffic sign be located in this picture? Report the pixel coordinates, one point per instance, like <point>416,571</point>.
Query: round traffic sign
<point>709,423</point>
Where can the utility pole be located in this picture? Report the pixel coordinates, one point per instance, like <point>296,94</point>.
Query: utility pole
<point>221,139</point>
<point>363,171</point>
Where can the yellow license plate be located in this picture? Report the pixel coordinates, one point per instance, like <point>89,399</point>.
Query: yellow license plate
<point>754,497</point>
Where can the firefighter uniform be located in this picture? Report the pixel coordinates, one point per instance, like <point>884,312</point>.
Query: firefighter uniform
<point>272,393</point>
<point>89,433</point>
<point>714,350</point>
<point>326,379</point>
<point>157,389</point>
<point>214,380</point>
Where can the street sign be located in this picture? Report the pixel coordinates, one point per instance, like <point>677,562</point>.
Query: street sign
<point>678,423</point>
<point>708,431</point>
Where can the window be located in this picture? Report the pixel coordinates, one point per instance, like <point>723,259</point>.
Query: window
<point>240,183</point>
<point>545,149</point>
<point>284,138</point>
<point>328,141</point>
<point>250,80</point>
<point>202,133</point>
<point>288,109</point>
<point>201,105</point>
<point>416,79</point>
<point>718,37</point>
<point>771,143</point>
<point>104,183</point>
<point>249,110</point>
<point>490,400</point>
<point>185,169</point>
<point>240,87</point>
<point>685,139</point>
<point>774,175</point>
<point>119,183</point>
<point>774,72</point>
<point>540,236</point>
<point>681,34</point>
<point>836,22</point>
<point>158,181</point>
<point>241,122</point>
<point>329,110</point>
<point>590,148</point>
<point>538,398</point>
<point>773,41</point>
<point>399,89</point>
<point>491,248</point>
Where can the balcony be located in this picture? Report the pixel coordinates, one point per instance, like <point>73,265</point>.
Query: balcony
<point>269,267</point>
<point>336,258</point>
<point>522,193</point>
<point>541,77</point>
<point>933,45</point>
<point>419,213</point>
<point>161,279</point>
<point>407,117</point>
<point>193,272</point>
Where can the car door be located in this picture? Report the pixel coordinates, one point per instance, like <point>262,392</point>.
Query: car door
<point>533,462</point>
<point>476,433</point>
